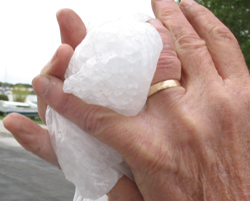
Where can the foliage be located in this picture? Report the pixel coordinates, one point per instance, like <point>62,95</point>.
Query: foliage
<point>235,15</point>
<point>24,85</point>
<point>38,121</point>
<point>20,93</point>
<point>5,84</point>
<point>4,97</point>
<point>2,116</point>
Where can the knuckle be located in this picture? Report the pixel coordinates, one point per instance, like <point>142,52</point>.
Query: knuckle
<point>222,33</point>
<point>190,40</point>
<point>221,97</point>
<point>157,156</point>
<point>62,105</point>
<point>191,125</point>
<point>92,119</point>
<point>225,106</point>
<point>222,112</point>
<point>168,11</point>
<point>86,116</point>
<point>190,128</point>
<point>168,62</point>
<point>167,67</point>
<point>99,122</point>
<point>199,13</point>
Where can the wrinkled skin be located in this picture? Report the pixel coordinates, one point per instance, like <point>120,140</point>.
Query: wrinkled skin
<point>192,142</point>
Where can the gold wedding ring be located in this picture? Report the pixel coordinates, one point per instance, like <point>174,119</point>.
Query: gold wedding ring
<point>163,85</point>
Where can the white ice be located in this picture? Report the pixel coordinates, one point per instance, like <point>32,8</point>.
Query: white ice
<point>113,67</point>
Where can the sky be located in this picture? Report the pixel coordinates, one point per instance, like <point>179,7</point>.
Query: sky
<point>29,33</point>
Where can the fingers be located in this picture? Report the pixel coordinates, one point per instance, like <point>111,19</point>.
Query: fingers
<point>59,63</point>
<point>125,190</point>
<point>221,43</point>
<point>100,122</point>
<point>56,67</point>
<point>96,120</point>
<point>73,30</point>
<point>31,136</point>
<point>191,49</point>
<point>169,66</point>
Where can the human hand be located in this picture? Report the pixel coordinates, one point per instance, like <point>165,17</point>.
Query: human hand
<point>30,135</point>
<point>35,138</point>
<point>192,141</point>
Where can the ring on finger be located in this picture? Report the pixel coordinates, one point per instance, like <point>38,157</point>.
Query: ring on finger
<point>163,85</point>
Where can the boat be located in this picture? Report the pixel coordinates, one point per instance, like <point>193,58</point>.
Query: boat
<point>7,107</point>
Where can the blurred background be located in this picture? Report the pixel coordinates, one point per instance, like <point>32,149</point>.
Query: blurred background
<point>235,14</point>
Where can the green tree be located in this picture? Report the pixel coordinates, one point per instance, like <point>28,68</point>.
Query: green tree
<point>5,84</point>
<point>20,93</point>
<point>24,85</point>
<point>235,14</point>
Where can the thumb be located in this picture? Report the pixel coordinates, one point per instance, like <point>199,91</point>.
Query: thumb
<point>101,122</point>
<point>56,67</point>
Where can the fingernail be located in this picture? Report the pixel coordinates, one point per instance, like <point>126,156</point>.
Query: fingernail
<point>185,3</point>
<point>41,84</point>
<point>54,57</point>
<point>155,21</point>
<point>48,65</point>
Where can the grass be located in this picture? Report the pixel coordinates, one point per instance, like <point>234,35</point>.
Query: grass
<point>38,121</point>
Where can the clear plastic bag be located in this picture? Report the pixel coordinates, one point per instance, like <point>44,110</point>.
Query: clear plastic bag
<point>113,67</point>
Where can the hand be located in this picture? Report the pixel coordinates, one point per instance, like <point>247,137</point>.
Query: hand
<point>30,135</point>
<point>35,138</point>
<point>192,142</point>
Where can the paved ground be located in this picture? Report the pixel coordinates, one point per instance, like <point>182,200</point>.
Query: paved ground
<point>24,177</point>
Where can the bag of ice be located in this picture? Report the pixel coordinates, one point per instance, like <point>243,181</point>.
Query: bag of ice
<point>113,67</point>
